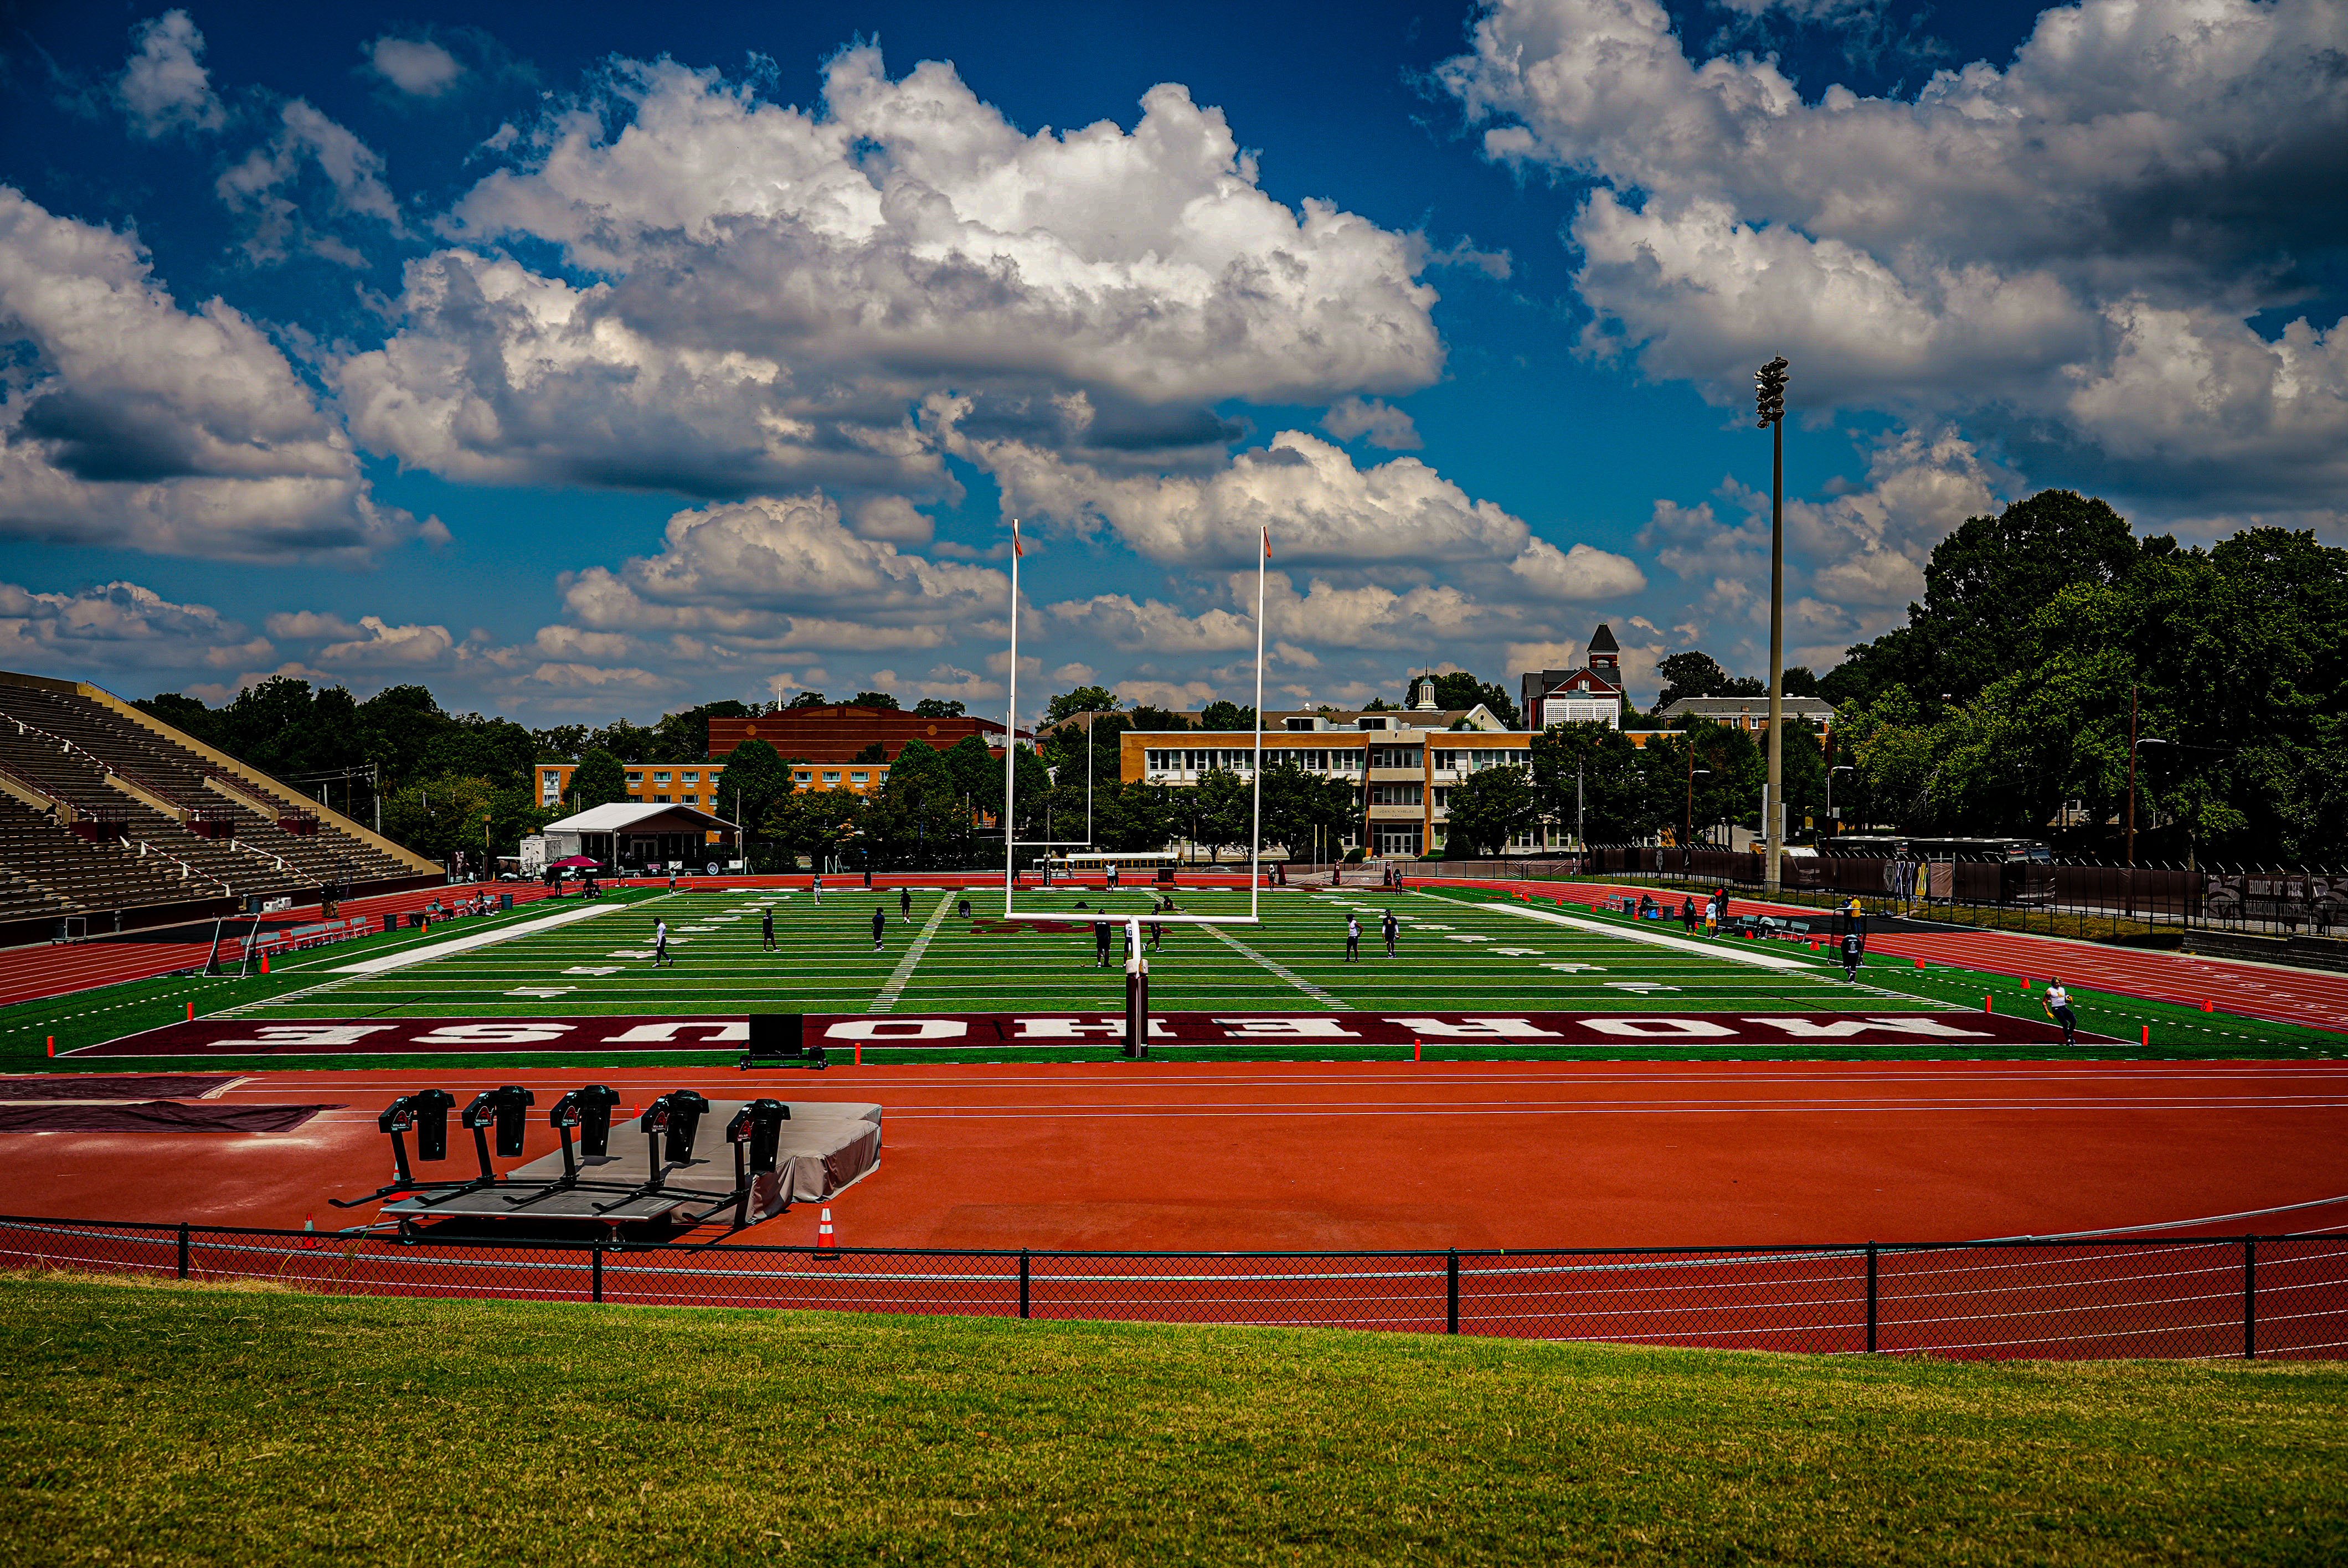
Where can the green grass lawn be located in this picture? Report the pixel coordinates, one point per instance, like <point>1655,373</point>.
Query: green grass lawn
<point>177,1424</point>
<point>1460,951</point>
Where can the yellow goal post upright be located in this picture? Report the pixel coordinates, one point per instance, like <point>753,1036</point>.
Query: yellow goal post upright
<point>1136,965</point>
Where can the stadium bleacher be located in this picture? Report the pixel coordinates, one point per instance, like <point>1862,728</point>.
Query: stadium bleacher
<point>109,818</point>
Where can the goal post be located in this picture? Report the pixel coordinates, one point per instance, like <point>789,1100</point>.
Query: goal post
<point>1013,843</point>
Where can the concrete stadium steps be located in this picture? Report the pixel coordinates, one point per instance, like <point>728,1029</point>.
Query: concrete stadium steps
<point>180,775</point>
<point>75,778</point>
<point>88,876</point>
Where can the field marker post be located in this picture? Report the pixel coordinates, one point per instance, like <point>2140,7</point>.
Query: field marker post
<point>598,1251</point>
<point>1451,1294</point>
<point>1023,1277</point>
<point>1870,1297</point>
<point>53,1045</point>
<point>184,1249</point>
<point>2148,1034</point>
<point>2250,1299</point>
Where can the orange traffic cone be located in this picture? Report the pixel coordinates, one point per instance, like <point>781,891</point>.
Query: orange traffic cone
<point>310,1232</point>
<point>825,1246</point>
<point>264,963</point>
<point>2209,1005</point>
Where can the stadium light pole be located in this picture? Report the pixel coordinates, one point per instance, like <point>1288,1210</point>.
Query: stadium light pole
<point>1769,396</point>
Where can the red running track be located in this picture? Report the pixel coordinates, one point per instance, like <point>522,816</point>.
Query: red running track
<point>1376,1155</point>
<point>2311,998</point>
<point>1362,1156</point>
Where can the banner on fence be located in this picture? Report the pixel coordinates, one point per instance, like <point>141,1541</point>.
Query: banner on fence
<point>1078,1031</point>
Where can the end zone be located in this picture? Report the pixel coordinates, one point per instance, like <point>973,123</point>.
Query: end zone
<point>1083,1030</point>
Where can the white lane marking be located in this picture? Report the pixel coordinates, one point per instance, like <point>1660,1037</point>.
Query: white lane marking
<point>1732,952</point>
<point>408,955</point>
<point>1278,970</point>
<point>895,988</point>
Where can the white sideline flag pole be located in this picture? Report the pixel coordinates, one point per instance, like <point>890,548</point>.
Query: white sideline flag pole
<point>1011,740</point>
<point>1255,836</point>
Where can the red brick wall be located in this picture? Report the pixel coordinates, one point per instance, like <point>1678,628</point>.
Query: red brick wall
<point>835,734</point>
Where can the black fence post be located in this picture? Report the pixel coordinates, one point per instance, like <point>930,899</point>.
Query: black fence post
<point>2250,1299</point>
<point>184,1249</point>
<point>1025,1276</point>
<point>1870,1297</point>
<point>598,1271</point>
<point>1451,1294</point>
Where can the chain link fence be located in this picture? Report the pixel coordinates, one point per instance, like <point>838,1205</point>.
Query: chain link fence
<point>2273,1297</point>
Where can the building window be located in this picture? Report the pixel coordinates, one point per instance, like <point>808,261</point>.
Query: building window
<point>1395,795</point>
<point>803,778</point>
<point>662,798</point>
<point>830,777</point>
<point>635,781</point>
<point>860,778</point>
<point>660,778</point>
<point>688,778</point>
<point>1396,756</point>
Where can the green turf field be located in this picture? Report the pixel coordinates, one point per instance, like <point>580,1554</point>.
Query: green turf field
<point>1460,950</point>
<point>175,1424</point>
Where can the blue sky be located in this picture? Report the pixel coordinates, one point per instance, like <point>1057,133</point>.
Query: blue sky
<point>595,361</point>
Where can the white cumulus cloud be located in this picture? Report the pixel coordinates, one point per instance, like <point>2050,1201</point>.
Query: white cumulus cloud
<point>135,424</point>
<point>773,288</point>
<point>416,66</point>
<point>2082,244</point>
<point>165,86</point>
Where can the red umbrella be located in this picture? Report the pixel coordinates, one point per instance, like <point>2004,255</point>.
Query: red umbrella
<point>575,861</point>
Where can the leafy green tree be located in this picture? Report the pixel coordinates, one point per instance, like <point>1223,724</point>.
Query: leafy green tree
<point>629,741</point>
<point>1589,774</point>
<point>937,708</point>
<point>187,715</point>
<point>872,700</point>
<point>1221,715</point>
<point>809,699</point>
<point>977,774</point>
<point>1083,700</point>
<point>1726,786</point>
<point>1490,807</point>
<point>1982,585</point>
<point>684,736</point>
<point>1696,673</point>
<point>1224,811</point>
<point>498,750</point>
<point>754,781</point>
<point>1143,717</point>
<point>560,743</point>
<point>1133,818</point>
<point>816,824</point>
<point>1296,802</point>
<point>918,819</point>
<point>875,752</point>
<point>599,780</point>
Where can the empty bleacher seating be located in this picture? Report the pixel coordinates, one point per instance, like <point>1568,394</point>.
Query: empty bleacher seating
<point>103,811</point>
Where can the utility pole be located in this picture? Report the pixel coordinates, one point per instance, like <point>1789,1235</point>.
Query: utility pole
<point>1769,394</point>
<point>2131,806</point>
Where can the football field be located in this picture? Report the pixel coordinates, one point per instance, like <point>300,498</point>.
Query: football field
<point>1451,953</point>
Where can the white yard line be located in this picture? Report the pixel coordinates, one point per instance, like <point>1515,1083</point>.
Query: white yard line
<point>1281,971</point>
<point>895,988</point>
<point>1733,951</point>
<point>407,956</point>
